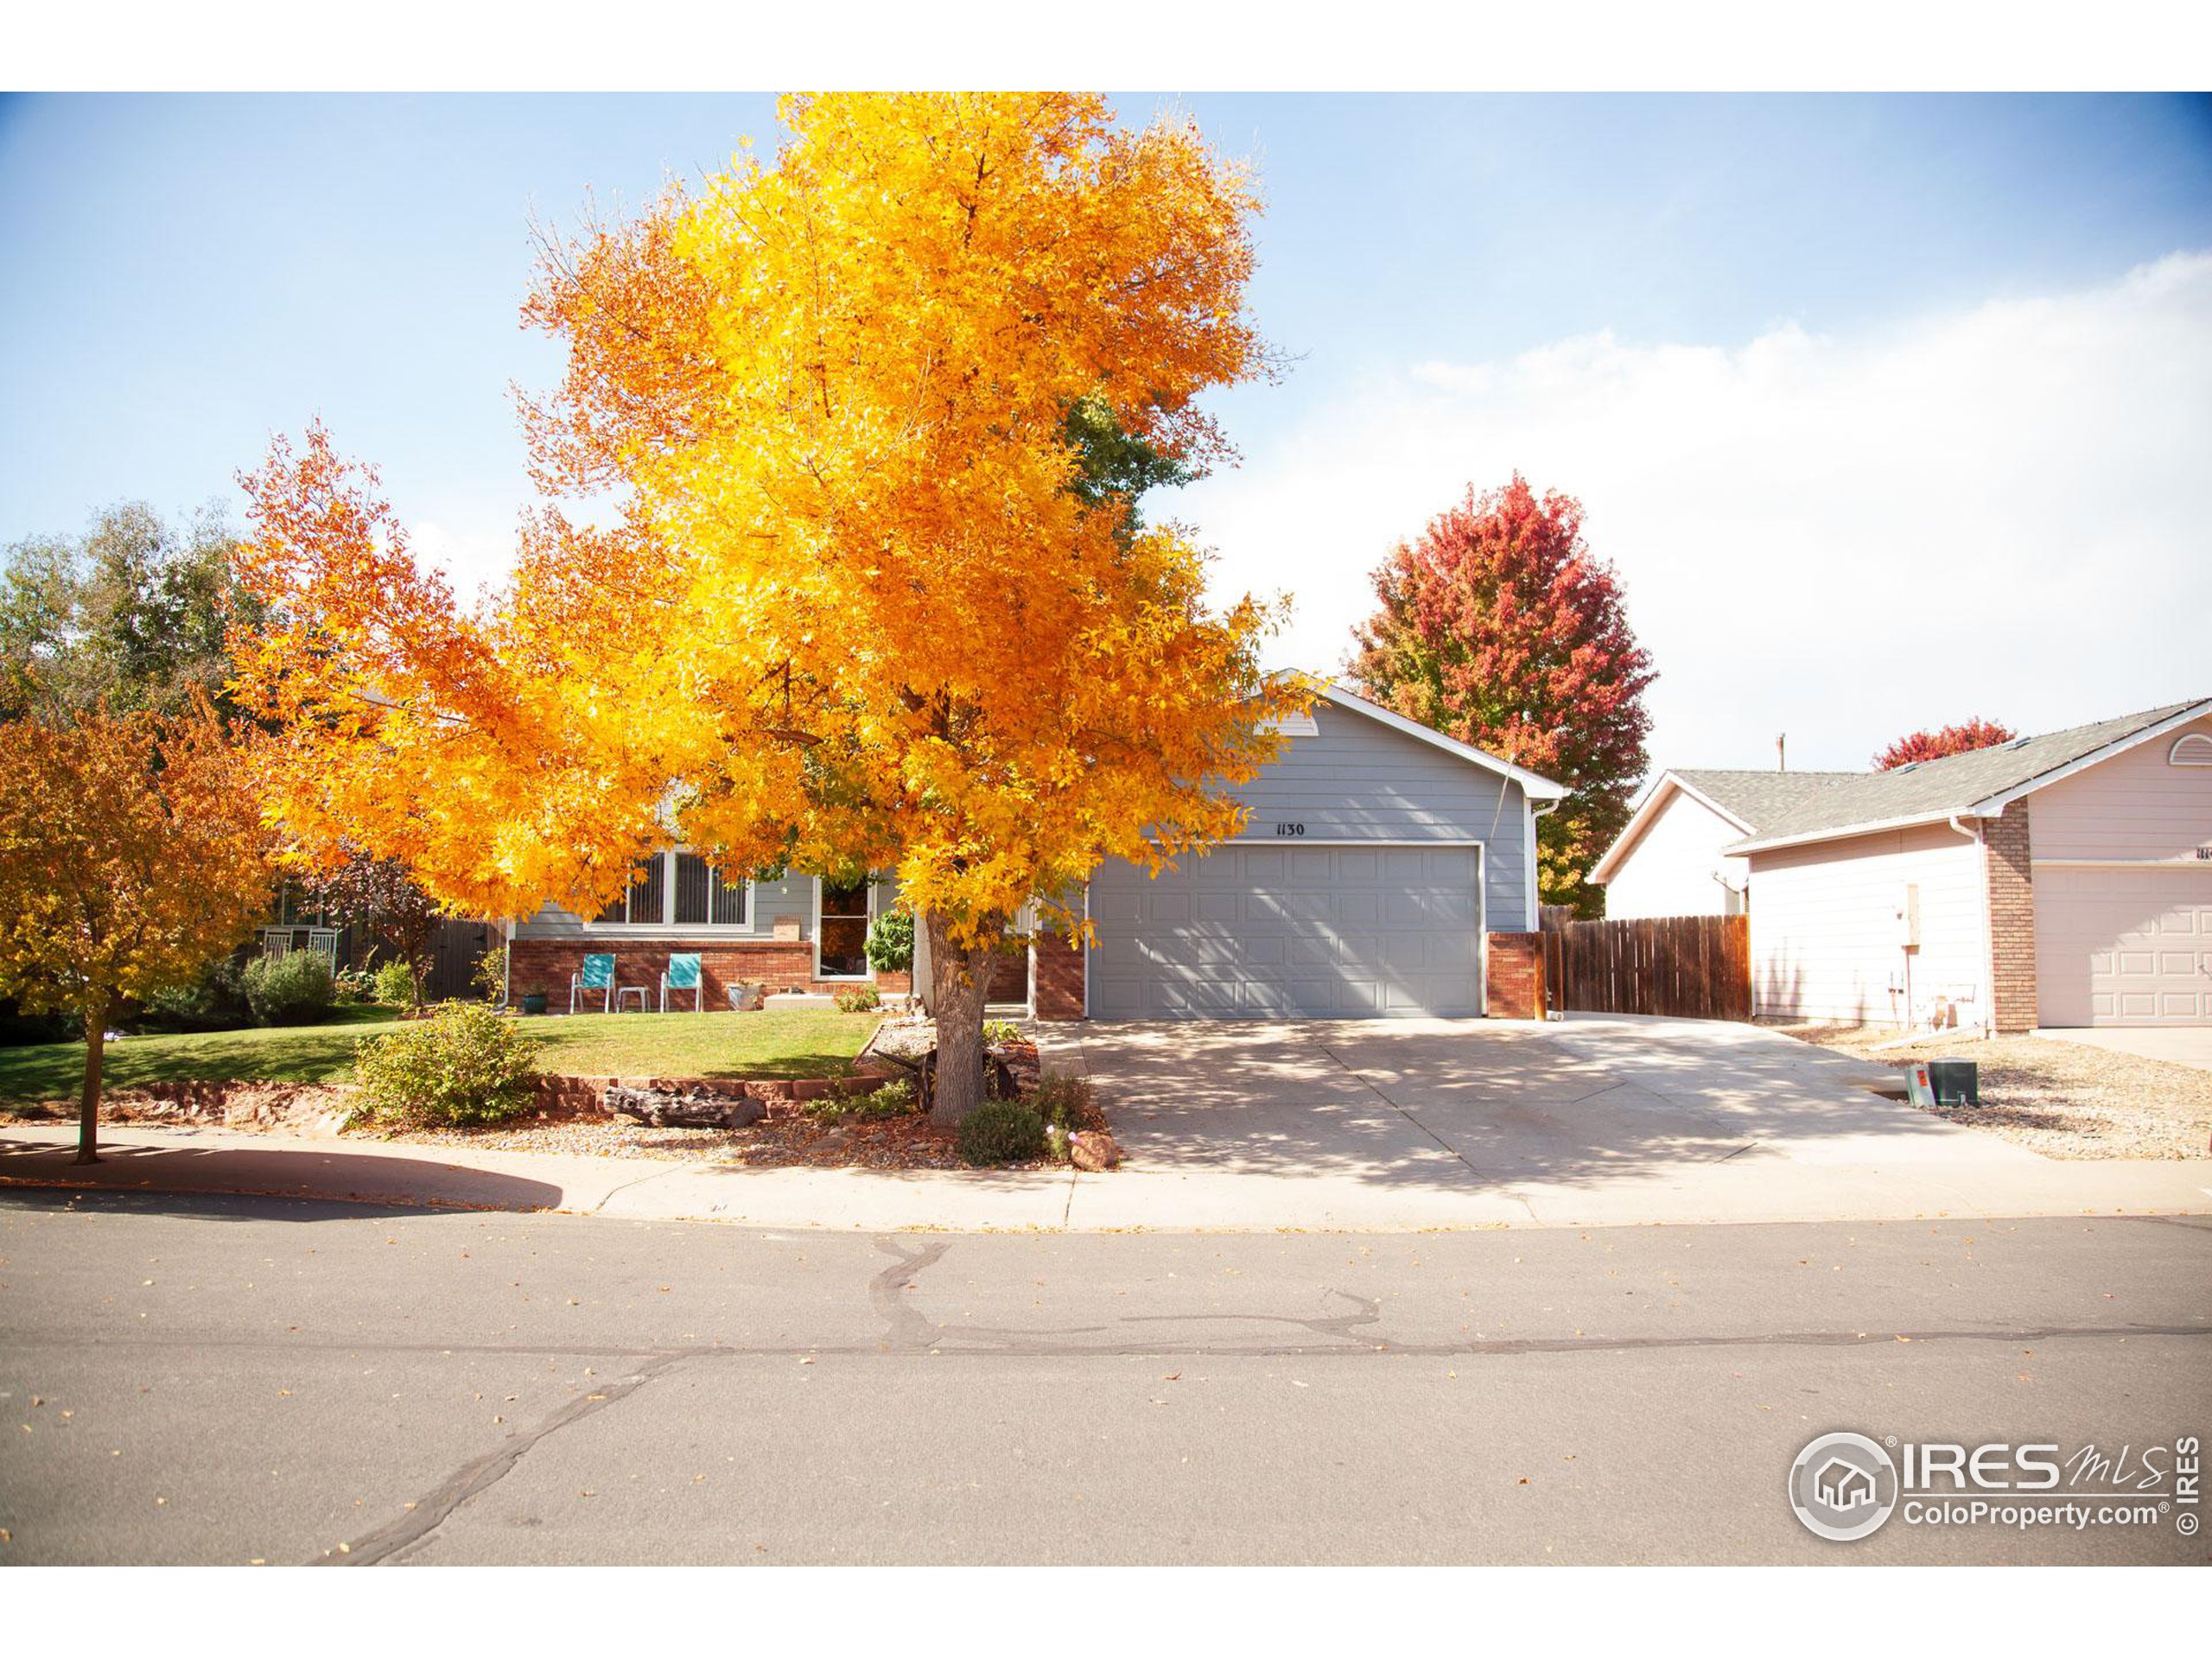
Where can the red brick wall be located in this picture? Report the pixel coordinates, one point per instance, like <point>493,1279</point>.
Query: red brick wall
<point>545,964</point>
<point>1059,989</point>
<point>2010,886</point>
<point>1513,976</point>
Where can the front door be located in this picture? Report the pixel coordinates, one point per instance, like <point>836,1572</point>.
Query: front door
<point>842,936</point>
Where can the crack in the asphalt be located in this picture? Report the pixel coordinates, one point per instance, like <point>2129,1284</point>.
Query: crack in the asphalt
<point>905,1331</point>
<point>416,1525</point>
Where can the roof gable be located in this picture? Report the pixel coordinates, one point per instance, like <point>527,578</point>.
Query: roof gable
<point>1533,784</point>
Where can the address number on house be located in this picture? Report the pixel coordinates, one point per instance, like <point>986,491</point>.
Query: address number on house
<point>1290,828</point>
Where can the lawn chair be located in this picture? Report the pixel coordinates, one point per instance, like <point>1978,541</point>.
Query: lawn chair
<point>597,975</point>
<point>683,973</point>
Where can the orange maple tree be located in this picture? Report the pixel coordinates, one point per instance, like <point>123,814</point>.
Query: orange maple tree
<point>876,594</point>
<point>131,852</point>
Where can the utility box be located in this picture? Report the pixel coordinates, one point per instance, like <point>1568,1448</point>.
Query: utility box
<point>1956,1083</point>
<point>1908,916</point>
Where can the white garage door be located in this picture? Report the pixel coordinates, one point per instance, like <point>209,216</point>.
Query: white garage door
<point>1257,932</point>
<point>2123,947</point>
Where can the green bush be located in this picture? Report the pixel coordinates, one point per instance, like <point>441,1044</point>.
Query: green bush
<point>1066,1105</point>
<point>1001,1132</point>
<point>860,1000</point>
<point>490,976</point>
<point>214,1001</point>
<point>293,989</point>
<point>463,1064</point>
<point>396,984</point>
<point>356,986</point>
<point>998,1033</point>
<point>891,942</point>
<point>894,1099</point>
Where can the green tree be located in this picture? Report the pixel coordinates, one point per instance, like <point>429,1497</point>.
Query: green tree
<point>131,616</point>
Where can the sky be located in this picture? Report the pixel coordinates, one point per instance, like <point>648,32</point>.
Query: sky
<point>1887,411</point>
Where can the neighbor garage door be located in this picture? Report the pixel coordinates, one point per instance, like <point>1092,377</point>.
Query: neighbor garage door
<point>2118,947</point>
<point>1255,932</point>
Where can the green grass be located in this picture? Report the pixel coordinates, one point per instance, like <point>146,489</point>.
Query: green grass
<point>799,1043</point>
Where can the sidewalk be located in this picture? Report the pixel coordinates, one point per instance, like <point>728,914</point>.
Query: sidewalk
<point>1141,1196</point>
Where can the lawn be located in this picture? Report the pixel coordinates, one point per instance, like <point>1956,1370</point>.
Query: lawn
<point>800,1043</point>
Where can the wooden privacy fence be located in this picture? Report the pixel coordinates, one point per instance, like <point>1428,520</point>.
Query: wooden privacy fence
<point>1687,967</point>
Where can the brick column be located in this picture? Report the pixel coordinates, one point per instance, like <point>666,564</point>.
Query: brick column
<point>1057,991</point>
<point>1513,976</point>
<point>2008,882</point>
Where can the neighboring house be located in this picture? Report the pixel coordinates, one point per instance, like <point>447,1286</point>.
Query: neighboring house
<point>2063,879</point>
<point>1668,859</point>
<point>1385,869</point>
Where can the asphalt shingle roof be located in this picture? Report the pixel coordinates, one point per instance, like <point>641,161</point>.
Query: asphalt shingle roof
<point>1795,805</point>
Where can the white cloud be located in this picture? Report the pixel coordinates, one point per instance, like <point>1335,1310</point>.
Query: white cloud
<point>2005,512</point>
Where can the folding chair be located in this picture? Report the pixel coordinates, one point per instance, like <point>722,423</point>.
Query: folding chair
<point>598,975</point>
<point>683,973</point>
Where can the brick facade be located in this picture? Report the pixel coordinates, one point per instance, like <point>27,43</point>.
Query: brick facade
<point>545,965</point>
<point>2010,884</point>
<point>1056,991</point>
<point>1513,976</point>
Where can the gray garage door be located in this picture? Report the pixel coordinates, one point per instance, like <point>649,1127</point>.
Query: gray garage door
<point>1263,931</point>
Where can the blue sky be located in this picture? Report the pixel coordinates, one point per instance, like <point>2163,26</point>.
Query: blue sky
<point>180,277</point>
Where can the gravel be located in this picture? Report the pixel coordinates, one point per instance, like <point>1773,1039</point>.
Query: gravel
<point>2060,1099</point>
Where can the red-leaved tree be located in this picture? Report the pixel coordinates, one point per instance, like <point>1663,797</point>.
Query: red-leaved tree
<point>1499,627</point>
<point>1974,732</point>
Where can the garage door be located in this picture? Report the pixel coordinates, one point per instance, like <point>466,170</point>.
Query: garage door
<point>1257,933</point>
<point>2123,947</point>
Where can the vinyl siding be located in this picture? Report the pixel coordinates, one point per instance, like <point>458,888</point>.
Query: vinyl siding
<point>1357,779</point>
<point>1824,934</point>
<point>2134,805</point>
<point>1670,870</point>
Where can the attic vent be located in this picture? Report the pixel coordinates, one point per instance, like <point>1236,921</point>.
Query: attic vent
<point>1908,766</point>
<point>2190,749</point>
<point>2020,742</point>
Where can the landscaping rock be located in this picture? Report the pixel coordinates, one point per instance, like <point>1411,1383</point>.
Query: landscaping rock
<point>1094,1150</point>
<point>690,1108</point>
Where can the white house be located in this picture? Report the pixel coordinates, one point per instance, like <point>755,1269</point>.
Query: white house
<point>2063,879</point>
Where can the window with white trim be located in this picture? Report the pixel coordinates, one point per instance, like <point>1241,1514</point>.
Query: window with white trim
<point>678,889</point>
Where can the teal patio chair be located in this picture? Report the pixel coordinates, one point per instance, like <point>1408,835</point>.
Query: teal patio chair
<point>683,973</point>
<point>597,975</point>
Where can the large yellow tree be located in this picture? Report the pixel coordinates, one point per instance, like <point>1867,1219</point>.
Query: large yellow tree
<point>132,851</point>
<point>874,417</point>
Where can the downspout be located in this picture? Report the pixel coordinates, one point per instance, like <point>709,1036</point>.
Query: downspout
<point>1989,999</point>
<point>1535,906</point>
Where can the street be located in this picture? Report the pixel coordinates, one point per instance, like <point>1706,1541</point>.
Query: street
<point>232,1380</point>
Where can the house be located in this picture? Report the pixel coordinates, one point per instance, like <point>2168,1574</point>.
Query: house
<point>1668,859</point>
<point>2061,879</point>
<point>1385,869</point>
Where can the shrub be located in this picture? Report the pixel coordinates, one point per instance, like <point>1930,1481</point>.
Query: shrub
<point>1001,1132</point>
<point>396,984</point>
<point>356,985</point>
<point>463,1064</point>
<point>894,1099</point>
<point>293,989</point>
<point>214,1001</point>
<point>860,1000</point>
<point>1064,1103</point>
<point>891,942</point>
<point>998,1033</point>
<point>490,976</point>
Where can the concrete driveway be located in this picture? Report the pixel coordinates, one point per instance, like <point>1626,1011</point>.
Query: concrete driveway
<point>1590,1121</point>
<point>2178,1045</point>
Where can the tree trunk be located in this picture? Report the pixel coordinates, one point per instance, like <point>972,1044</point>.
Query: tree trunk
<point>88,1105</point>
<point>960,980</point>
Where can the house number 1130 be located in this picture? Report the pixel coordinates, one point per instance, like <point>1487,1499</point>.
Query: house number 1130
<point>1290,828</point>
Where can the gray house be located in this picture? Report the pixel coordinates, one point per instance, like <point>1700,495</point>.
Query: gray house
<point>1385,870</point>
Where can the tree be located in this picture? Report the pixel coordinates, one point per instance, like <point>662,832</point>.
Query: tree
<point>1498,626</point>
<point>132,614</point>
<point>874,417</point>
<point>132,851</point>
<point>1972,732</point>
<point>378,895</point>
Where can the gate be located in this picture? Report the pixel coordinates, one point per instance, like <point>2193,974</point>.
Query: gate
<point>1684,967</point>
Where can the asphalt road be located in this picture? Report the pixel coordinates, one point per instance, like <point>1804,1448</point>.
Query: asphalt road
<point>240,1380</point>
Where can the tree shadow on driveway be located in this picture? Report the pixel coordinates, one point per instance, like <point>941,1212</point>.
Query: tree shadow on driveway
<point>1448,1104</point>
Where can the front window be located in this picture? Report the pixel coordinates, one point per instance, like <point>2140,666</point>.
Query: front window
<point>680,889</point>
<point>844,929</point>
